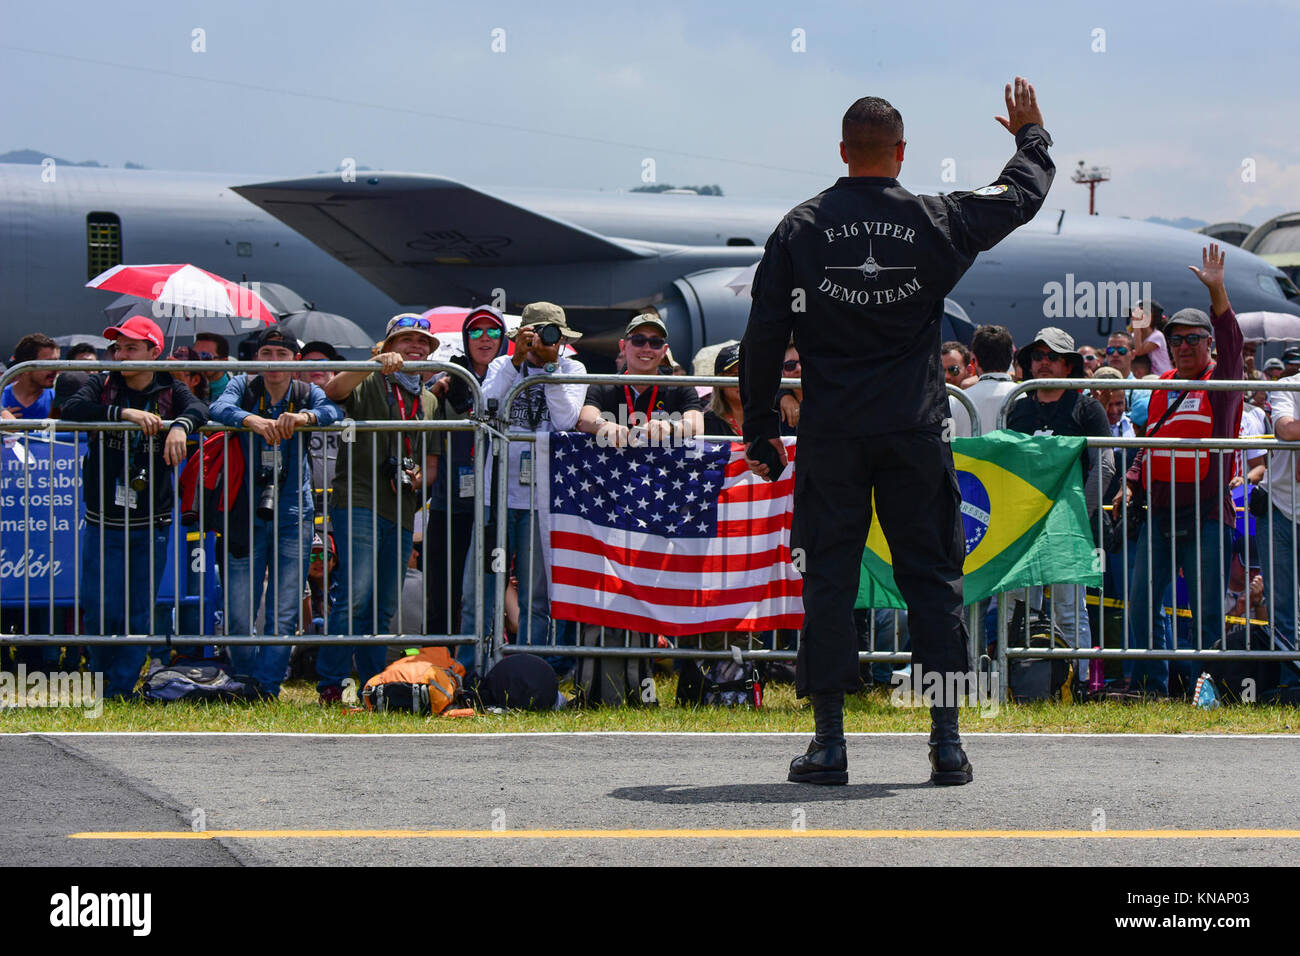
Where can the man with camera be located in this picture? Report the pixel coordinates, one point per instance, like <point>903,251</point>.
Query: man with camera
<point>128,493</point>
<point>277,479</point>
<point>373,522</point>
<point>542,334</point>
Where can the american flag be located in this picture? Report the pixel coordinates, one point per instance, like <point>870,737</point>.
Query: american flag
<point>673,541</point>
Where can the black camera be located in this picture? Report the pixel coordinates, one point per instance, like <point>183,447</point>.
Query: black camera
<point>548,335</point>
<point>140,480</point>
<point>397,473</point>
<point>266,497</point>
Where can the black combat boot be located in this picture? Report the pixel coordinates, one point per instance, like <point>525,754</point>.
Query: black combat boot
<point>827,759</point>
<point>948,763</point>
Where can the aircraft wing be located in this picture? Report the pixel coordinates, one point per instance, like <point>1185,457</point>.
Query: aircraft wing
<point>396,229</point>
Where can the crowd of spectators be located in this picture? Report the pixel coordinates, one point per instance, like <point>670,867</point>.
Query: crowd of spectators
<point>1196,508</point>
<point>402,503</point>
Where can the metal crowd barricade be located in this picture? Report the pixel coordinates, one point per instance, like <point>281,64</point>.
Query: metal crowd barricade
<point>550,647</point>
<point>1126,563</point>
<point>192,566</point>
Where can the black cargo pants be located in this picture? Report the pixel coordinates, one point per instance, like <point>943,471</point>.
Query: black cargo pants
<point>919,509</point>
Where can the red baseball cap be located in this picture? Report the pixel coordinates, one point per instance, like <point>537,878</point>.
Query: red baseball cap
<point>137,327</point>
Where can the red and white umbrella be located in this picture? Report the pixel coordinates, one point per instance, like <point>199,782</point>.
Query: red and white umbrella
<point>191,292</point>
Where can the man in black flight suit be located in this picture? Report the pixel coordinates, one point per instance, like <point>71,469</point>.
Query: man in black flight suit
<point>858,274</point>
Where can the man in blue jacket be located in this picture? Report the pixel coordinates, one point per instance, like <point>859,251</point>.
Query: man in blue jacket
<point>272,406</point>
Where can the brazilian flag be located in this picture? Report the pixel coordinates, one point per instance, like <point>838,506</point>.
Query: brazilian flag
<point>1024,516</point>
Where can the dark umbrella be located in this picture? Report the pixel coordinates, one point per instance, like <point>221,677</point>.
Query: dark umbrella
<point>283,300</point>
<point>125,306</point>
<point>312,326</point>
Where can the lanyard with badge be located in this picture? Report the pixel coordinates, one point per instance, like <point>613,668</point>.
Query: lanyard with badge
<point>128,495</point>
<point>401,410</point>
<point>631,405</point>
<point>270,455</point>
<point>525,456</point>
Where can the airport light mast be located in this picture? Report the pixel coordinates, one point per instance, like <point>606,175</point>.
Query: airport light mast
<point>1091,176</point>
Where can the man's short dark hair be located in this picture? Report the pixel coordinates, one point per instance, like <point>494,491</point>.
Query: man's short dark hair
<point>871,128</point>
<point>79,350</point>
<point>30,346</point>
<point>955,346</point>
<point>1128,338</point>
<point>222,343</point>
<point>1144,361</point>
<point>993,348</point>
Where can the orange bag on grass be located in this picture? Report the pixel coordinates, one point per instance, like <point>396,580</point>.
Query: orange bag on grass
<point>426,683</point>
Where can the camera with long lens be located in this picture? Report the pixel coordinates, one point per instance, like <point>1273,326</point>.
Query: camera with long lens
<point>266,497</point>
<point>397,471</point>
<point>548,335</point>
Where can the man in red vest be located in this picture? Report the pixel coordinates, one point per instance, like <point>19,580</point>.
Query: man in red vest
<point>1190,508</point>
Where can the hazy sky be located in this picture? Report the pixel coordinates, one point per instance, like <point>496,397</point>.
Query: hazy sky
<point>714,93</point>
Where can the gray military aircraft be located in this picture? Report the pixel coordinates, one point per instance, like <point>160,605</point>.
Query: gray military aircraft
<point>385,241</point>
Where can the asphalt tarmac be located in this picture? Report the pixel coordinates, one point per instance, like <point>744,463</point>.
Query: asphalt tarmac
<point>641,798</point>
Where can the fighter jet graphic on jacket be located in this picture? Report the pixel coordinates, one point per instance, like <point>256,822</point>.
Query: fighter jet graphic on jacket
<point>871,269</point>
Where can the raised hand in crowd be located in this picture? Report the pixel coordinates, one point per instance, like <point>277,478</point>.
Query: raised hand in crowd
<point>1211,274</point>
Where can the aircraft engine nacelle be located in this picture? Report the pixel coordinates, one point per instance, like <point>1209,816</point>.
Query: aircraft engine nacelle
<point>703,309</point>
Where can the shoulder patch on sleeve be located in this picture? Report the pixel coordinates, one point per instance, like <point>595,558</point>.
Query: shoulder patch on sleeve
<point>995,190</point>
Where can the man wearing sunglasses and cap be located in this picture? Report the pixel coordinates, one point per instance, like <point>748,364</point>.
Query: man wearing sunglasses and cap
<point>374,519</point>
<point>1191,515</point>
<point>858,274</point>
<point>619,415</point>
<point>542,333</point>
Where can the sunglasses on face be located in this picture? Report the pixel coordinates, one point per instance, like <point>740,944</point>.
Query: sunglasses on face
<point>317,557</point>
<point>1088,357</point>
<point>790,366</point>
<point>479,333</point>
<point>410,322</point>
<point>1117,350</point>
<point>1194,339</point>
<point>641,341</point>
<point>1041,356</point>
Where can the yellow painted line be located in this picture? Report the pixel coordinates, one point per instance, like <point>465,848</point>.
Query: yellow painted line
<point>719,834</point>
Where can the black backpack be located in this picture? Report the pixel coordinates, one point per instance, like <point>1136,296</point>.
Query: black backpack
<point>205,681</point>
<point>615,681</point>
<point>1038,678</point>
<point>732,683</point>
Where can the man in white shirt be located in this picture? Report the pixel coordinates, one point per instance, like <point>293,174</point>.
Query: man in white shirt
<point>991,351</point>
<point>542,334</point>
<point>1276,546</point>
